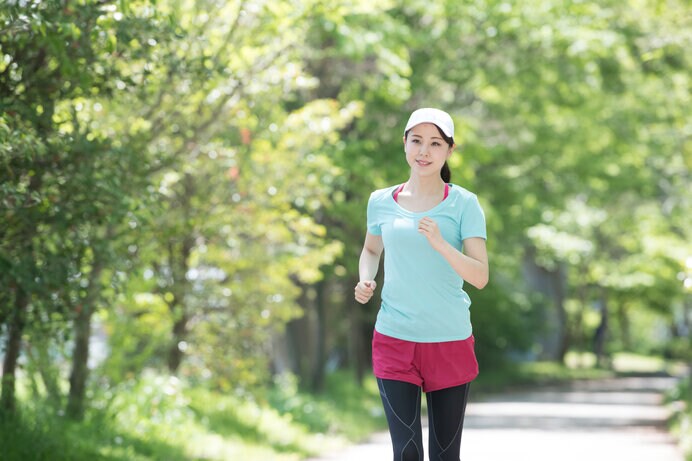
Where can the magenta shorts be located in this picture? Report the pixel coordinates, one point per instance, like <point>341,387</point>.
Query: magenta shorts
<point>433,366</point>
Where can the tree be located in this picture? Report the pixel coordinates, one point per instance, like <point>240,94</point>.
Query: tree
<point>69,185</point>
<point>242,166</point>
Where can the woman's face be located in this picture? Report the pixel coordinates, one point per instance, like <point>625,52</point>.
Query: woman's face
<point>426,150</point>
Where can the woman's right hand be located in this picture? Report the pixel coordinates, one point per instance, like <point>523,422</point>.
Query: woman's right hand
<point>364,290</point>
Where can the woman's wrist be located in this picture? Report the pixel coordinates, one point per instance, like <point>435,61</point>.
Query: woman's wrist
<point>445,248</point>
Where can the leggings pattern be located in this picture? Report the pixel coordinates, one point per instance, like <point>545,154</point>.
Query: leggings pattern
<point>446,409</point>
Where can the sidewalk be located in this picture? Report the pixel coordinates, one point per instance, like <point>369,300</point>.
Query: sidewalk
<point>605,420</point>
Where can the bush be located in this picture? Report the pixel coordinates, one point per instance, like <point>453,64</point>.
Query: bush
<point>680,401</point>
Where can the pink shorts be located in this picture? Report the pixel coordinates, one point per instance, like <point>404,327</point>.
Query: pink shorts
<point>433,366</point>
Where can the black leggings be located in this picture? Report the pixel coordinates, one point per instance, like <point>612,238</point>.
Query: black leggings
<point>446,407</point>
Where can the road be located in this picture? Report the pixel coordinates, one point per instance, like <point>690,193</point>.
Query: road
<point>605,420</point>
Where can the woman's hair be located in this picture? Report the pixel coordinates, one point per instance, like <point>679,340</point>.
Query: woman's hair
<point>445,172</point>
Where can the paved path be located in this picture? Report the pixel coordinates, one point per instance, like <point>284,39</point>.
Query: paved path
<point>605,420</point>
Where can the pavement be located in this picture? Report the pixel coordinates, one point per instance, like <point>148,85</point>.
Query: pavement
<point>603,420</point>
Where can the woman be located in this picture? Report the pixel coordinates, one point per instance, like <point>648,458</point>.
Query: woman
<point>433,233</point>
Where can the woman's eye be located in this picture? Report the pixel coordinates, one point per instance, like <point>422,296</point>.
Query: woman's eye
<point>436,144</point>
<point>415,141</point>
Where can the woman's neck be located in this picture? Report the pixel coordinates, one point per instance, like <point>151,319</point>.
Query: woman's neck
<point>424,186</point>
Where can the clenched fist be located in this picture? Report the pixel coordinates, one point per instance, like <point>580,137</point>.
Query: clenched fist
<point>428,227</point>
<point>364,290</point>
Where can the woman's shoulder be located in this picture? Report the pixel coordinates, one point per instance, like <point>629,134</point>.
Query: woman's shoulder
<point>382,194</point>
<point>462,192</point>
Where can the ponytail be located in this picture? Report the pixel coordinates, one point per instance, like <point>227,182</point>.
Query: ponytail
<point>446,173</point>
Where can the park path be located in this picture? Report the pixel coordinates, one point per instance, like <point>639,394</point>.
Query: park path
<point>605,420</point>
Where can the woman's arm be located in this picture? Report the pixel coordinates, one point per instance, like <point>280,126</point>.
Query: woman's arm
<point>367,267</point>
<point>471,265</point>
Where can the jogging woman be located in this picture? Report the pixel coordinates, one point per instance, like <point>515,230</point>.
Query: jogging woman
<point>433,236</point>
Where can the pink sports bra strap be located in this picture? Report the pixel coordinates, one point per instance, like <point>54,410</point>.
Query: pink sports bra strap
<point>396,192</point>
<point>401,187</point>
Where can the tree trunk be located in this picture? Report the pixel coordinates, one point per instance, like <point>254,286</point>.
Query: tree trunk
<point>12,349</point>
<point>80,359</point>
<point>687,310</point>
<point>175,351</point>
<point>41,364</point>
<point>300,335</point>
<point>281,358</point>
<point>82,334</point>
<point>356,339</point>
<point>601,334</point>
<point>579,332</point>
<point>625,331</point>
<point>179,262</point>
<point>559,286</point>
<point>319,364</point>
<point>551,283</point>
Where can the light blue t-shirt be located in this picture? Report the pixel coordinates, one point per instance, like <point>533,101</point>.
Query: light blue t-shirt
<point>423,298</point>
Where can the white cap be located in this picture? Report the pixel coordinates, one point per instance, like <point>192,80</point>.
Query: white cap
<point>429,115</point>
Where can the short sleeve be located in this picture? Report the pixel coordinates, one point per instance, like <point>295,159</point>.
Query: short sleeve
<point>473,220</point>
<point>373,222</point>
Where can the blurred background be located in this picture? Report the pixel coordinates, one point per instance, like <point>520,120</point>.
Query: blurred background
<point>183,187</point>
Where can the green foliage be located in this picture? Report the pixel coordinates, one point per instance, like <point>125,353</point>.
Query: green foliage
<point>70,187</point>
<point>531,374</point>
<point>155,417</point>
<point>343,408</point>
<point>137,328</point>
<point>503,323</point>
<point>577,366</point>
<point>237,187</point>
<point>36,437</point>
<point>679,400</point>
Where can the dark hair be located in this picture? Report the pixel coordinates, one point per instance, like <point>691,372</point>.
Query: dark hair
<point>445,172</point>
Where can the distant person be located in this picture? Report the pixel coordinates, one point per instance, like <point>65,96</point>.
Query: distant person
<point>433,236</point>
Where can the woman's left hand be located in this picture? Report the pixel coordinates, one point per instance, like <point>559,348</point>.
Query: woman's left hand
<point>428,227</point>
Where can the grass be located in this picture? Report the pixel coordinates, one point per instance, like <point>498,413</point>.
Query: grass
<point>528,374</point>
<point>162,418</point>
<point>577,366</point>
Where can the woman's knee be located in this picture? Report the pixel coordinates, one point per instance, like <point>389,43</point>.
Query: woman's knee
<point>409,452</point>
